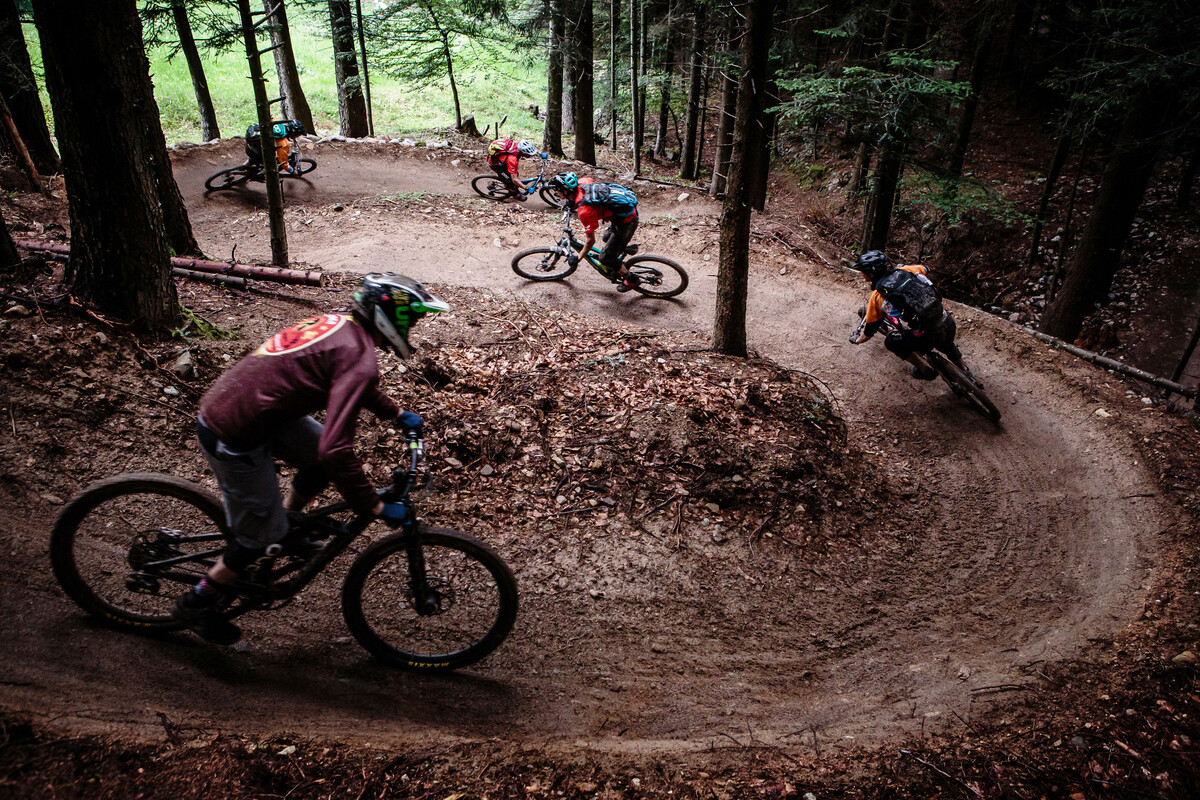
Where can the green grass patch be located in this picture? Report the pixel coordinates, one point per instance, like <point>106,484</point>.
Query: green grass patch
<point>489,89</point>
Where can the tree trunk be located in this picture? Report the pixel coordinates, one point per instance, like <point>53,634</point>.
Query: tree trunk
<point>729,328</point>
<point>704,93</point>
<point>95,62</point>
<point>1122,186</point>
<point>9,257</point>
<point>664,91</point>
<point>295,104</point>
<point>585,137</point>
<point>1056,164</point>
<point>862,163</point>
<point>766,143</point>
<point>266,139</point>
<point>453,85</point>
<point>352,107</point>
<point>20,91</point>
<point>634,101</point>
<point>687,156</point>
<point>967,120</point>
<point>209,129</point>
<point>724,131</point>
<point>362,49</point>
<point>614,16</point>
<point>883,197</point>
<point>552,138</point>
<point>1187,178</point>
<point>569,57</point>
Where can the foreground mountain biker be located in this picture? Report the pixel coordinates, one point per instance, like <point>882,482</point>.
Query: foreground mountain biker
<point>594,203</point>
<point>259,411</point>
<point>504,157</point>
<point>906,298</point>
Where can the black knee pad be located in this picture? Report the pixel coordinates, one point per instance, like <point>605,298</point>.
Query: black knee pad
<point>310,481</point>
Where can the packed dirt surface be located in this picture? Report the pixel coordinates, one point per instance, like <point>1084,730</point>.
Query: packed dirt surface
<point>1002,549</point>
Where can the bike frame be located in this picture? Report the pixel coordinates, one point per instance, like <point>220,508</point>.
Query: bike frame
<point>568,243</point>
<point>534,183</point>
<point>252,595</point>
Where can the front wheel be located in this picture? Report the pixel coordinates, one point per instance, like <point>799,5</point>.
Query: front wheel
<point>657,276</point>
<point>542,264</point>
<point>455,613</point>
<point>227,179</point>
<point>491,187</point>
<point>303,166</point>
<point>126,547</point>
<point>967,389</point>
<point>552,197</point>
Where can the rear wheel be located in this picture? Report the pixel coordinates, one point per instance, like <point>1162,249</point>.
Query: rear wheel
<point>126,547</point>
<point>468,606</point>
<point>542,264</point>
<point>227,179</point>
<point>967,389</point>
<point>491,187</point>
<point>657,276</point>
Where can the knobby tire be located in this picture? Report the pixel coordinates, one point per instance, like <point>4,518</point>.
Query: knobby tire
<point>476,601</point>
<point>542,264</point>
<point>491,187</point>
<point>227,179</point>
<point>649,269</point>
<point>966,388</point>
<point>114,526</point>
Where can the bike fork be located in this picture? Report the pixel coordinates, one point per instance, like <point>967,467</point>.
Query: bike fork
<point>424,601</point>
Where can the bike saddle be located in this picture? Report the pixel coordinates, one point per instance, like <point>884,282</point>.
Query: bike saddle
<point>631,249</point>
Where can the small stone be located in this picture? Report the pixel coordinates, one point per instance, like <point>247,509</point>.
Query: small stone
<point>783,270</point>
<point>53,499</point>
<point>99,338</point>
<point>287,751</point>
<point>1102,414</point>
<point>184,367</point>
<point>18,310</point>
<point>658,648</point>
<point>453,463</point>
<point>170,391</point>
<point>1186,657</point>
<point>684,196</point>
<point>498,242</point>
<point>456,162</point>
<point>713,507</point>
<point>487,471</point>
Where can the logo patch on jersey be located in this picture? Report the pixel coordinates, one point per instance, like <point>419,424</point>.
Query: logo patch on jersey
<point>301,335</point>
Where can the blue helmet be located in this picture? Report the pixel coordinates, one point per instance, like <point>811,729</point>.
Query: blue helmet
<point>566,180</point>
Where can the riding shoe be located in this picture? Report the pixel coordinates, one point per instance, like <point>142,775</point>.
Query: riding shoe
<point>199,613</point>
<point>926,374</point>
<point>627,283</point>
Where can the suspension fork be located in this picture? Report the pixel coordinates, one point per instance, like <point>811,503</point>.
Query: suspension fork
<point>424,600</point>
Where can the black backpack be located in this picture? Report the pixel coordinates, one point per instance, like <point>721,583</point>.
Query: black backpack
<point>612,196</point>
<point>914,297</point>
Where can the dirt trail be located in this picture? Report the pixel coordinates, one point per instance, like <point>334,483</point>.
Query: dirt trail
<point>1038,535</point>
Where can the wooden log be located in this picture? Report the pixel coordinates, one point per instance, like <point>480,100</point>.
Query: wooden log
<point>210,277</point>
<point>303,277</point>
<point>1116,366</point>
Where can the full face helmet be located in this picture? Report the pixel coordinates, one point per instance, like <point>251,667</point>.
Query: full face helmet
<point>392,304</point>
<point>526,148</point>
<point>874,264</point>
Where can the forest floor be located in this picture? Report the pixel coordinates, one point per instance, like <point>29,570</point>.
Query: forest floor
<point>858,587</point>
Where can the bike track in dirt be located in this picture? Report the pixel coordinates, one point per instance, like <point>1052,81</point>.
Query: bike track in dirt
<point>1037,536</point>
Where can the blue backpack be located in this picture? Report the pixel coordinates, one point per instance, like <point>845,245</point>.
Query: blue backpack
<point>611,196</point>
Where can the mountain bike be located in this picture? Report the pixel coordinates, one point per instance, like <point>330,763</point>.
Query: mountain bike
<point>493,187</point>
<point>422,598</point>
<point>656,276</point>
<point>962,384</point>
<point>252,169</point>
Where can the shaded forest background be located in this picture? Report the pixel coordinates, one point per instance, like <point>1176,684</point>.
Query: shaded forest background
<point>867,117</point>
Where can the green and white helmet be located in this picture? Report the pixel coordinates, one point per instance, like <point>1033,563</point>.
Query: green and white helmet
<point>392,304</point>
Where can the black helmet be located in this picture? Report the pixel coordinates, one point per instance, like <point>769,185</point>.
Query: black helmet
<point>391,304</point>
<point>873,263</point>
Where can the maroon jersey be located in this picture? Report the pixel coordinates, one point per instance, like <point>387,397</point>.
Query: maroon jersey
<point>325,362</point>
